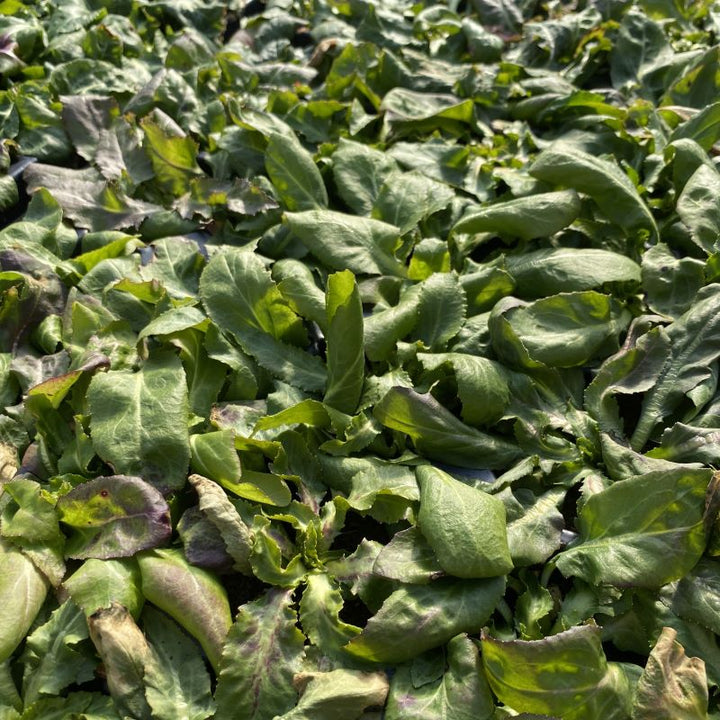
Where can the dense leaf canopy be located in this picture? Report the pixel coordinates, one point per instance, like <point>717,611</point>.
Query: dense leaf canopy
<point>359,359</point>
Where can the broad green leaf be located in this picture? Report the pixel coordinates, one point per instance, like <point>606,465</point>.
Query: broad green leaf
<point>113,517</point>
<point>22,594</point>
<point>671,283</point>
<point>408,558</point>
<point>125,653</point>
<point>319,616</point>
<point>441,310</point>
<point>549,271</point>
<point>529,217</point>
<point>534,525</point>
<point>439,434</point>
<point>238,293</point>
<point>697,207</point>
<point>453,515</point>
<point>213,455</point>
<point>177,683</point>
<point>260,658</point>
<point>645,531</point>
<point>694,345</point>
<point>286,362</point>
<point>190,595</point>
<point>565,675</point>
<point>359,172</point>
<point>294,174</point>
<point>635,368</point>
<point>266,558</point>
<point>296,283</point>
<point>695,596</point>
<point>683,443</point>
<point>405,199</point>
<point>367,248</point>
<point>173,157</point>
<point>641,49</point>
<point>139,421</point>
<point>344,338</point>
<point>97,584</point>
<point>462,693</point>
<point>262,487</point>
<point>604,181</point>
<point>385,327</point>
<point>416,618</point>
<point>92,705</point>
<point>672,685</point>
<point>86,119</point>
<point>338,693</point>
<point>564,330</point>
<point>482,386</point>
<point>703,127</point>
<point>173,321</point>
<point>56,655</point>
<point>407,111</point>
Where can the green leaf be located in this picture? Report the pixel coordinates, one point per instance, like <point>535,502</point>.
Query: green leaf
<point>408,558</point>
<point>641,49</point>
<point>564,330</point>
<point>703,127</point>
<point>385,327</point>
<point>238,292</point>
<point>645,531</point>
<point>22,594</point>
<point>462,693</point>
<point>296,283</point>
<point>565,675</point>
<point>405,199</point>
<point>319,616</point>
<point>695,596</point>
<point>672,685</point>
<point>694,340</point>
<point>139,421</point>
<point>697,208</point>
<point>441,311</point>
<point>635,368</point>
<point>261,656</point>
<point>294,174</point>
<point>452,515</point>
<point>214,456</point>
<point>344,338</point>
<point>367,248</point>
<point>359,172</point>
<point>177,683</point>
<point>173,157</point>
<point>56,656</point>
<point>338,693</point>
<point>604,181</point>
<point>266,558</point>
<point>97,584</point>
<point>482,386</point>
<point>438,434</point>
<point>114,516</point>
<point>534,525</point>
<point>190,595</point>
<point>671,283</point>
<point>555,270</point>
<point>416,618</point>
<point>526,218</point>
